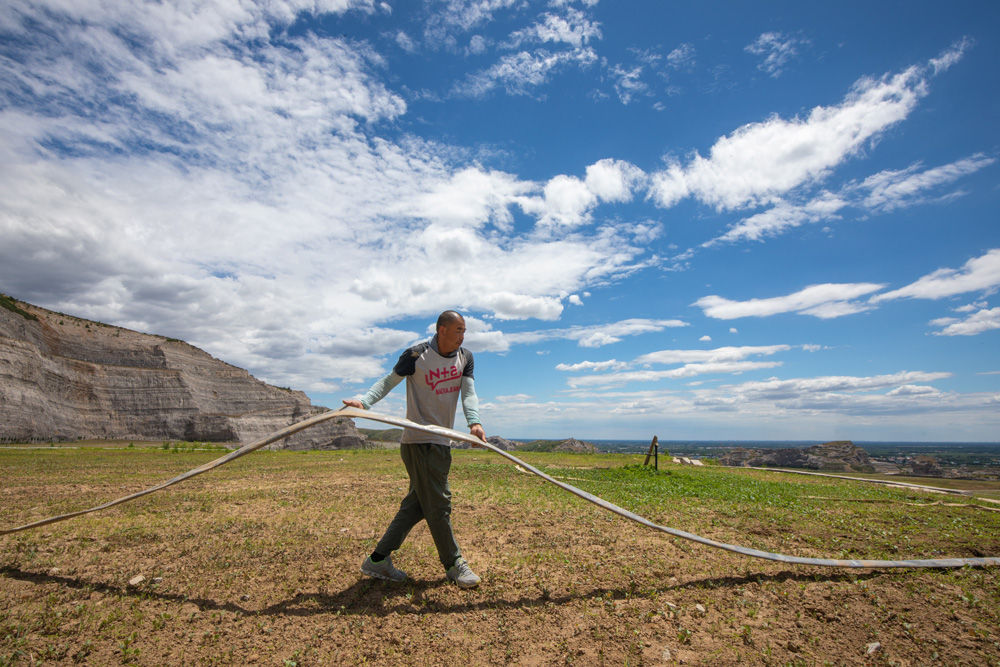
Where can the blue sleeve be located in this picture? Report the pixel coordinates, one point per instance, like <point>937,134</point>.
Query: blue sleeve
<point>380,389</point>
<point>470,402</point>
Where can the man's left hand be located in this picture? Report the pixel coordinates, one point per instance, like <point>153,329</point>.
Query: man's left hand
<point>477,430</point>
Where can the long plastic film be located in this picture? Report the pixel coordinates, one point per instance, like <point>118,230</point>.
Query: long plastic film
<point>465,437</point>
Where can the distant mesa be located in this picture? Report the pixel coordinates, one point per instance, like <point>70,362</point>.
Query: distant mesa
<point>502,443</point>
<point>65,378</point>
<point>570,445</point>
<point>837,456</point>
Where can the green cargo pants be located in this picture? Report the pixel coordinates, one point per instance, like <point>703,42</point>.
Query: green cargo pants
<point>429,499</point>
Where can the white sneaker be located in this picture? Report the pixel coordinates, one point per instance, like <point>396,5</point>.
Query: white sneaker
<point>382,569</point>
<point>463,575</point>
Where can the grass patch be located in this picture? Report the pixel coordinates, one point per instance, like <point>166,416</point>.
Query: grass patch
<point>257,562</point>
<point>11,305</point>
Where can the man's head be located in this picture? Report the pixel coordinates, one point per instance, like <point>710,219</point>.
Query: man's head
<point>450,331</point>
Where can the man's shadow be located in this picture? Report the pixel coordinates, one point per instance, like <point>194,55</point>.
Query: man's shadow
<point>373,597</point>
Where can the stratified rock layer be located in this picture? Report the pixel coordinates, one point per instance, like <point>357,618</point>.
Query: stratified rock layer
<point>65,378</point>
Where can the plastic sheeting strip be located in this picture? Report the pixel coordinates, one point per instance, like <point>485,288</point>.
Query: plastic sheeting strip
<point>600,502</point>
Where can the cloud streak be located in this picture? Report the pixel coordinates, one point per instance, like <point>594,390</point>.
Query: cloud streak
<point>825,301</point>
<point>760,162</point>
<point>978,274</point>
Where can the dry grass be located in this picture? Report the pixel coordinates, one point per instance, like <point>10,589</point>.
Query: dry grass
<point>257,562</point>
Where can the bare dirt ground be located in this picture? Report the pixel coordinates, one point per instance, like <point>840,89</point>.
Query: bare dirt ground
<point>257,563</point>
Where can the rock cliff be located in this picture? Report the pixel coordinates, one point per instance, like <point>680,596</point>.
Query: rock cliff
<point>64,378</point>
<point>839,456</point>
<point>571,445</point>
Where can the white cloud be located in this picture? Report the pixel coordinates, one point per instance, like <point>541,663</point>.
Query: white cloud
<point>568,201</point>
<point>780,217</point>
<point>705,339</point>
<point>238,194</point>
<point>824,301</point>
<point>890,190</point>
<point>733,330</point>
<point>470,197</point>
<point>609,365</point>
<point>952,55</point>
<point>453,17</point>
<point>722,360</point>
<point>685,371</point>
<point>628,82</point>
<point>575,300</point>
<point>760,162</point>
<point>597,335</point>
<point>976,323</point>
<point>682,57</point>
<point>521,72</point>
<point>795,388</point>
<point>614,180</point>
<point>573,28</point>
<point>777,50</point>
<point>979,273</point>
<point>719,354</point>
<point>913,390</point>
<point>882,192</point>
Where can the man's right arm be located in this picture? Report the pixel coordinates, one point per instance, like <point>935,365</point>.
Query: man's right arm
<point>377,392</point>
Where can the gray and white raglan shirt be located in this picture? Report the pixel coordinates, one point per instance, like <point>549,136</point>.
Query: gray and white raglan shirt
<point>433,385</point>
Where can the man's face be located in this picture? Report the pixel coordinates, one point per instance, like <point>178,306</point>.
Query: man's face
<point>451,336</point>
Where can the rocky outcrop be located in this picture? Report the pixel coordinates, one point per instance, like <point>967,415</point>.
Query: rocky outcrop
<point>925,466</point>
<point>838,456</point>
<point>502,443</point>
<point>65,378</point>
<point>571,445</point>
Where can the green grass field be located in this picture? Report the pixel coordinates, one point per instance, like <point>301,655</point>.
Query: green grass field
<point>256,562</point>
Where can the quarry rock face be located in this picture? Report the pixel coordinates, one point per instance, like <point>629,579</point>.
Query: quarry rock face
<point>65,378</point>
<point>502,443</point>
<point>839,456</point>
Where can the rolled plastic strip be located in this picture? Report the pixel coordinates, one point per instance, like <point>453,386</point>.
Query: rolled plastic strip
<point>600,502</point>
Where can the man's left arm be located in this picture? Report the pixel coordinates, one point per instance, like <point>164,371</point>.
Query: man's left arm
<point>470,406</point>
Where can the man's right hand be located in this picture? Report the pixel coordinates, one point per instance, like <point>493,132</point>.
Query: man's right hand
<point>353,403</point>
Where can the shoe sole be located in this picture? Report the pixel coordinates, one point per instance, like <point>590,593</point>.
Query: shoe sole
<point>379,575</point>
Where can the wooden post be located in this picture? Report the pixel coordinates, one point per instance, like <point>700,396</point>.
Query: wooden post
<point>652,448</point>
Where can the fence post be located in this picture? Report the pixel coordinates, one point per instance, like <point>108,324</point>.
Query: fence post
<point>652,450</point>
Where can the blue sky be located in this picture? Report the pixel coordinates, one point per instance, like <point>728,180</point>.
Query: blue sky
<point>707,220</point>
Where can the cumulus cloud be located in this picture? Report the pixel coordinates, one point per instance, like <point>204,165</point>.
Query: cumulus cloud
<point>234,191</point>
<point>978,274</point>
<point>825,301</point>
<point>760,162</point>
<point>568,201</point>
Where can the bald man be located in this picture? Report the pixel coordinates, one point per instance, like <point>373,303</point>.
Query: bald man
<point>437,373</point>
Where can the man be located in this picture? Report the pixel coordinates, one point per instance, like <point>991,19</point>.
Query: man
<point>436,372</point>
